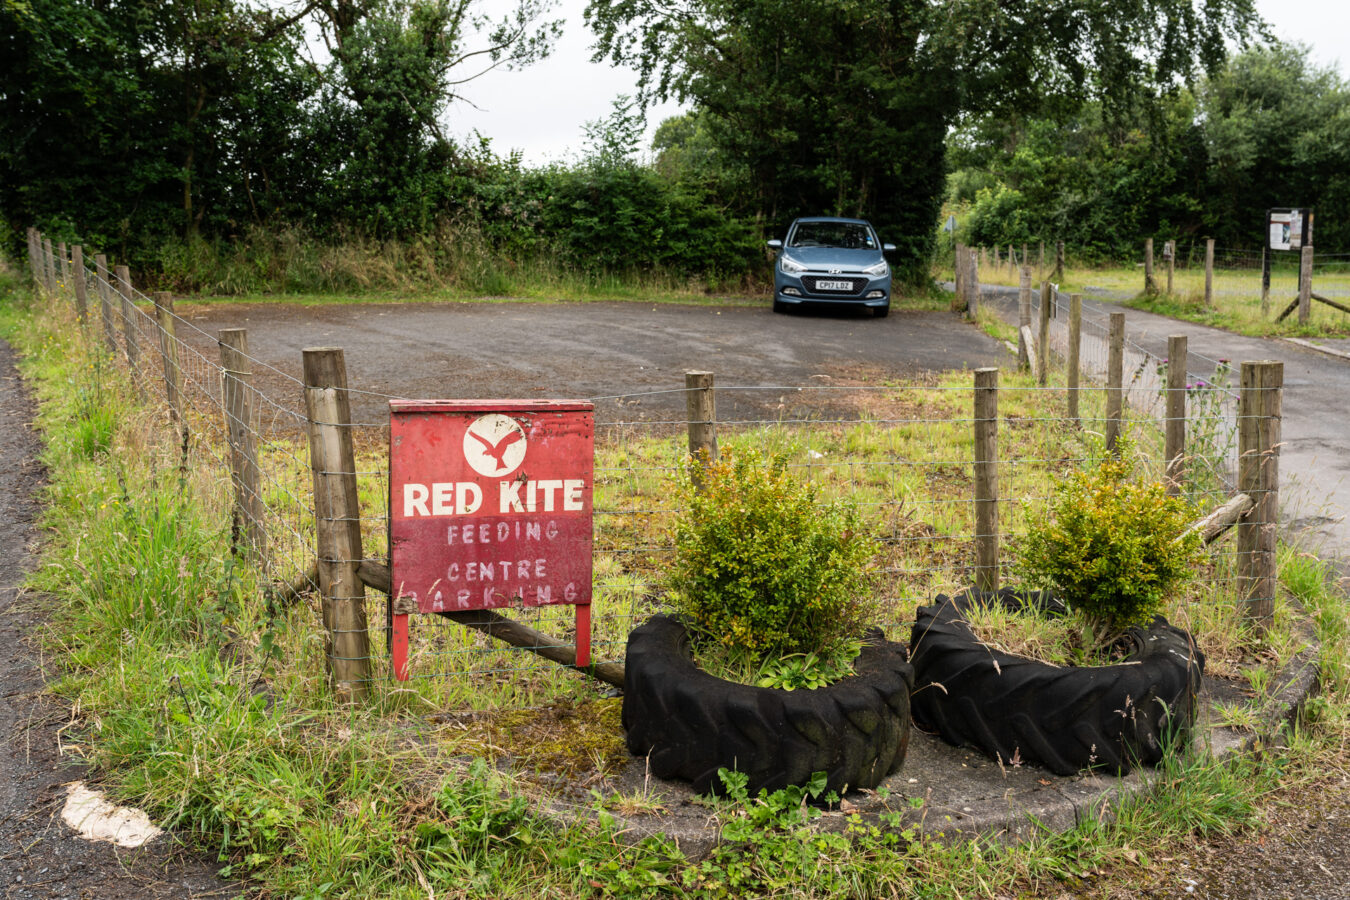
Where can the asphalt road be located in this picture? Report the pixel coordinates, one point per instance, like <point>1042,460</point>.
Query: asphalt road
<point>1315,456</point>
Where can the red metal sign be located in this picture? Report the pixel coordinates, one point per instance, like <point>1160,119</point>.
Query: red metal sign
<point>490,506</point>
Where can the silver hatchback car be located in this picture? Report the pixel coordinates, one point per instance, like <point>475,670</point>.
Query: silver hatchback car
<point>832,260</point>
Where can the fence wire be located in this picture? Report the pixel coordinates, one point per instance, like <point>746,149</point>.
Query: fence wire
<point>902,455</point>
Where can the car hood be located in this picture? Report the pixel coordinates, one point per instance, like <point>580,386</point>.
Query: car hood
<point>833,258</point>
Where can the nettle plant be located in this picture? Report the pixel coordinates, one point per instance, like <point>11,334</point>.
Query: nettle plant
<point>1113,548</point>
<point>773,582</point>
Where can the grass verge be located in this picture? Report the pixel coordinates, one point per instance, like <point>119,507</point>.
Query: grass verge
<point>207,707</point>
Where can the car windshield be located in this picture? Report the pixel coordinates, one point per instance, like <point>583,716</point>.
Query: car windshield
<point>843,235</point>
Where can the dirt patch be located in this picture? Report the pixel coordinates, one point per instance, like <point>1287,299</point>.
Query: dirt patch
<point>41,856</point>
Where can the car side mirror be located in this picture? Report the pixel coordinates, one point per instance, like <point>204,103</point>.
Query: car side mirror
<point>887,248</point>
<point>775,244</point>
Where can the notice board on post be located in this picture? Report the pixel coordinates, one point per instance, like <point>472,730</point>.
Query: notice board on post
<point>490,506</point>
<point>1289,229</point>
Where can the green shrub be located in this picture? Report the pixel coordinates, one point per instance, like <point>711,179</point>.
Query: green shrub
<point>1113,548</point>
<point>762,565</point>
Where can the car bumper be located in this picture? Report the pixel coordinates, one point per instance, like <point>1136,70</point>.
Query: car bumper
<point>874,292</point>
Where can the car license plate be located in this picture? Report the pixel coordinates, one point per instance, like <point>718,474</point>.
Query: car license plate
<point>834,285</point>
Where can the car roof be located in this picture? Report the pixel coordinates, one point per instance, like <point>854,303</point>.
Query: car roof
<point>830,219</point>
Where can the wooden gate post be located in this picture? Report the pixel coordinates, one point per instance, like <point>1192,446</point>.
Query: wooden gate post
<point>1174,452</point>
<point>1209,273</point>
<point>237,398</point>
<point>1259,412</point>
<point>168,351</point>
<point>105,302</point>
<point>1043,335</point>
<point>129,336</point>
<point>1305,271</point>
<point>1115,380</point>
<point>1150,285</point>
<point>1073,362</point>
<point>986,479</point>
<point>959,278</point>
<point>337,514</point>
<point>700,402</point>
<point>81,288</point>
<point>973,286</point>
<point>1024,320</point>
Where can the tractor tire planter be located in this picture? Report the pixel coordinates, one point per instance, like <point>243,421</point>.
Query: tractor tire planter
<point>689,723</point>
<point>1064,718</point>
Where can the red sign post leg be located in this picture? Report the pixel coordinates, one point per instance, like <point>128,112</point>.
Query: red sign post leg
<point>400,648</point>
<point>583,634</point>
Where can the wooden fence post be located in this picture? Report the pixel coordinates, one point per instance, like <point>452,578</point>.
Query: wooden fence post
<point>31,233</point>
<point>168,351</point>
<point>1059,262</point>
<point>1170,252</point>
<point>1043,335</point>
<point>986,479</point>
<point>1265,282</point>
<point>1074,353</point>
<point>337,515</point>
<point>1024,320</point>
<point>237,398</point>
<point>1040,269</point>
<point>1209,273</point>
<point>49,267</point>
<point>997,263</point>
<point>1115,380</point>
<point>1305,272</point>
<point>64,267</point>
<point>1259,411</point>
<point>1174,452</point>
<point>700,403</point>
<point>1150,284</point>
<point>129,335</point>
<point>81,288</point>
<point>105,302</point>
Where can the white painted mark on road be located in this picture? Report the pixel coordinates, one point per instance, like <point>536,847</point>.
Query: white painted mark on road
<point>98,820</point>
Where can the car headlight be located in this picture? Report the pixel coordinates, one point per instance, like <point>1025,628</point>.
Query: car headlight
<point>878,270</point>
<point>791,268</point>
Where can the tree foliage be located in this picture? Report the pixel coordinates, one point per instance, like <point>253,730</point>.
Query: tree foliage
<point>844,107</point>
<point>1267,130</point>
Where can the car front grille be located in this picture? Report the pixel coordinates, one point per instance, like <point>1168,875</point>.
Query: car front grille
<point>812,280</point>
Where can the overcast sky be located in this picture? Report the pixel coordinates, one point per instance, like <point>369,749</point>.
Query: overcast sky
<point>541,110</point>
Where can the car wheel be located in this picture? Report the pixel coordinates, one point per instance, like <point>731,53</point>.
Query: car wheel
<point>780,307</point>
<point>881,312</point>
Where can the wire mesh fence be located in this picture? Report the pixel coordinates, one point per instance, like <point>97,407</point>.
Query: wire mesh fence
<point>903,454</point>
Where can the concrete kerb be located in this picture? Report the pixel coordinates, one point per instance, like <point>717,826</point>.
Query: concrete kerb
<point>953,794</point>
<point>1341,351</point>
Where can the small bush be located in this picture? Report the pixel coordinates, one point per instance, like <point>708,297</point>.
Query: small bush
<point>762,565</point>
<point>1112,547</point>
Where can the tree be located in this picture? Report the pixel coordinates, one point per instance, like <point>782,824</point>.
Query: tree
<point>845,107</point>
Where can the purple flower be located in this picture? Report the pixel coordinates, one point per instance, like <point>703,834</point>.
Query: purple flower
<point>1223,361</point>
<point>1201,384</point>
<point>1190,387</point>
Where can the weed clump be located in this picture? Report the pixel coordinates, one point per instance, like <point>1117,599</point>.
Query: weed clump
<point>763,565</point>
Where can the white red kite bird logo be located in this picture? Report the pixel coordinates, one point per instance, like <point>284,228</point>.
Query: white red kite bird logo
<point>494,445</point>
